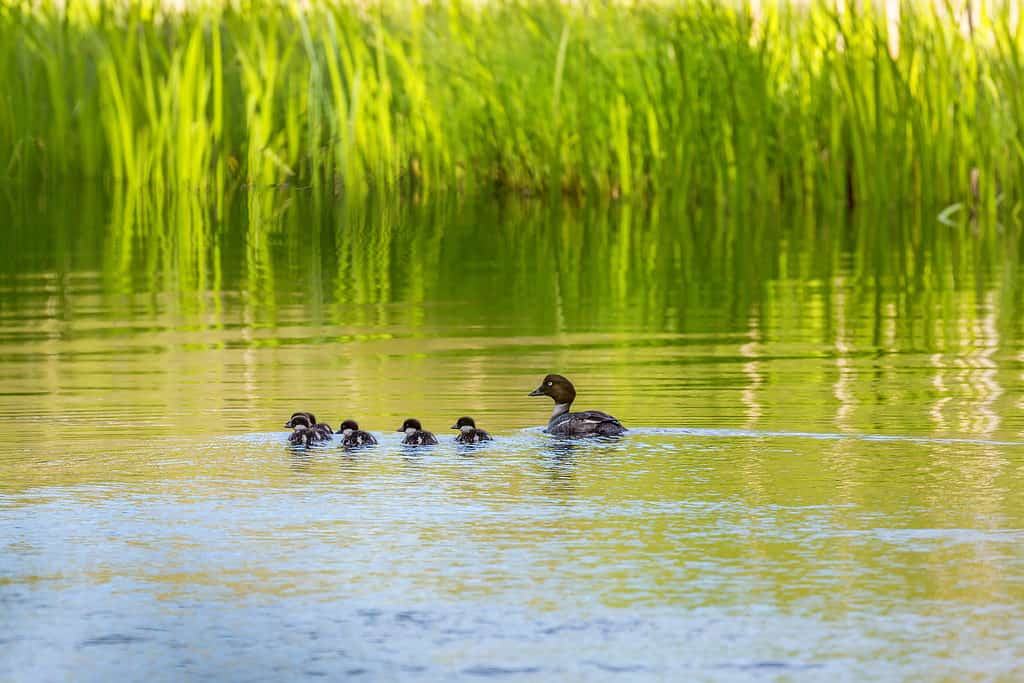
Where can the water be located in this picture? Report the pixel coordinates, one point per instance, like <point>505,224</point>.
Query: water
<point>822,478</point>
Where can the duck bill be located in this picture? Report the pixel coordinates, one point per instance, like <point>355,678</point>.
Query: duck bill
<point>455,427</point>
<point>539,391</point>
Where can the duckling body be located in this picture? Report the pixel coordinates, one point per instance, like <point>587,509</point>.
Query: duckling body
<point>415,435</point>
<point>566,423</point>
<point>354,437</point>
<point>307,430</point>
<point>310,422</point>
<point>305,437</point>
<point>468,432</point>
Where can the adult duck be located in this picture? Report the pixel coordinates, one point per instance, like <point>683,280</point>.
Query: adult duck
<point>566,423</point>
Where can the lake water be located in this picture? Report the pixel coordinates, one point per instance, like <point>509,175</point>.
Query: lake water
<point>822,481</point>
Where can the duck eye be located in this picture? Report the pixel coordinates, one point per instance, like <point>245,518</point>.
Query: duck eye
<point>550,383</point>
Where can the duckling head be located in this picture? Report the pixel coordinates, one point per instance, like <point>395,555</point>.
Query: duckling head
<point>465,424</point>
<point>308,417</point>
<point>411,426</point>
<point>348,426</point>
<point>299,422</point>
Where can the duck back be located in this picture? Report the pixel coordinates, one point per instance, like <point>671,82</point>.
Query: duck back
<point>358,438</point>
<point>308,437</point>
<point>301,438</point>
<point>420,438</point>
<point>473,436</point>
<point>586,423</point>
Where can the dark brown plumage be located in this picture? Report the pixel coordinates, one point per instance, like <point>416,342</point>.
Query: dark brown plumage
<point>468,433</point>
<point>564,423</point>
<point>307,430</point>
<point>415,435</point>
<point>353,436</point>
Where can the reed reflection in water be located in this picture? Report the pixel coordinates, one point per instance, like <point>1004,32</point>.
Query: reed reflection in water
<point>823,475</point>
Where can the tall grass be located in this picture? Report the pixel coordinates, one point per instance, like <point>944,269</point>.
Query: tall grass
<point>724,104</point>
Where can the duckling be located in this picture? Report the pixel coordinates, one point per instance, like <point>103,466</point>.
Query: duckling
<point>311,419</point>
<point>564,423</point>
<point>307,431</point>
<point>468,433</point>
<point>353,436</point>
<point>415,434</point>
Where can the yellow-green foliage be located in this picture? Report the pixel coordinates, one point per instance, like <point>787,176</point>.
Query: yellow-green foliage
<point>724,103</point>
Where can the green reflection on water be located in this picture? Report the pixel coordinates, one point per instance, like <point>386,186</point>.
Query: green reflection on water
<point>149,344</point>
<point>518,265</point>
<point>884,322</point>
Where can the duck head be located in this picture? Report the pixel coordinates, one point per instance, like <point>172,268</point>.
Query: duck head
<point>348,426</point>
<point>299,422</point>
<point>411,426</point>
<point>308,420</point>
<point>465,424</point>
<point>558,388</point>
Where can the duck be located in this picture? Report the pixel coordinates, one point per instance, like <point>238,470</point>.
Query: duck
<point>564,423</point>
<point>311,419</point>
<point>307,429</point>
<point>415,435</point>
<point>353,436</point>
<point>468,433</point>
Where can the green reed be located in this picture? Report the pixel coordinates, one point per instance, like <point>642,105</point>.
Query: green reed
<point>725,104</point>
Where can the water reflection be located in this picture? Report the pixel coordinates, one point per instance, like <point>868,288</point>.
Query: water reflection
<point>825,438</point>
<point>561,269</point>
